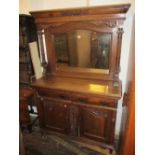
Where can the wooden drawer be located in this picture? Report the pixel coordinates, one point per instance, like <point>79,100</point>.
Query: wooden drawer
<point>53,94</point>
<point>78,98</point>
<point>94,101</point>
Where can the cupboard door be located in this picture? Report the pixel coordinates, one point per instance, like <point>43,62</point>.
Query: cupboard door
<point>56,115</point>
<point>98,124</point>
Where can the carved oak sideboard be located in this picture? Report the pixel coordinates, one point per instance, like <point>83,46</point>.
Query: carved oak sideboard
<point>80,52</point>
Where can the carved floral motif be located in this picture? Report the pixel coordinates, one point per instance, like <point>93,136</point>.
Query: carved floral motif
<point>105,23</point>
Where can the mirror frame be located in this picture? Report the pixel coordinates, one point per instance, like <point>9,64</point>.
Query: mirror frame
<point>103,19</point>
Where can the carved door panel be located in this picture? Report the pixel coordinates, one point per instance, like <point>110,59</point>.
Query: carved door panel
<point>56,115</point>
<point>39,103</point>
<point>98,124</point>
<point>73,120</point>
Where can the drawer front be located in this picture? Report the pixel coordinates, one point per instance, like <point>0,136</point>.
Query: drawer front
<point>84,99</point>
<point>95,101</point>
<point>53,94</point>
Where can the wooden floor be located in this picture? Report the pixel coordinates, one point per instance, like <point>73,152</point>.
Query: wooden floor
<point>50,144</point>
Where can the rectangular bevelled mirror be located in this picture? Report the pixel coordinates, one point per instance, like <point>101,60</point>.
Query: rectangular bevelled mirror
<point>83,49</point>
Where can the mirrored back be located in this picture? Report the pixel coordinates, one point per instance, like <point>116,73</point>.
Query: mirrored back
<point>83,48</point>
<point>81,42</point>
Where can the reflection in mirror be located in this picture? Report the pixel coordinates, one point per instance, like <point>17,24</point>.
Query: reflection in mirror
<point>83,48</point>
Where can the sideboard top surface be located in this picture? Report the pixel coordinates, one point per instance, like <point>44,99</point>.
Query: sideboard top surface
<point>84,86</point>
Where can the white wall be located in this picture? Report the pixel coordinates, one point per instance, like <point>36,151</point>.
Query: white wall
<point>107,2</point>
<point>24,6</point>
<point>125,50</point>
<point>55,4</point>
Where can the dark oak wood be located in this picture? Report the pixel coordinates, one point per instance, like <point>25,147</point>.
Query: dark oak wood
<point>26,103</point>
<point>78,107</point>
<point>24,117</point>
<point>76,14</point>
<point>96,88</point>
<point>95,124</point>
<point>56,115</point>
<point>25,97</point>
<point>104,19</point>
<point>80,102</point>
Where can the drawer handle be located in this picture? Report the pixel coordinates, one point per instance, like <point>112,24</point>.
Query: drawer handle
<point>82,100</point>
<point>63,97</point>
<point>65,106</point>
<point>104,103</point>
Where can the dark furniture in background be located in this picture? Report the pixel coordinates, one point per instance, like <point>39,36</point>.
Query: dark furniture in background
<point>27,33</point>
<point>26,97</point>
<point>80,102</point>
